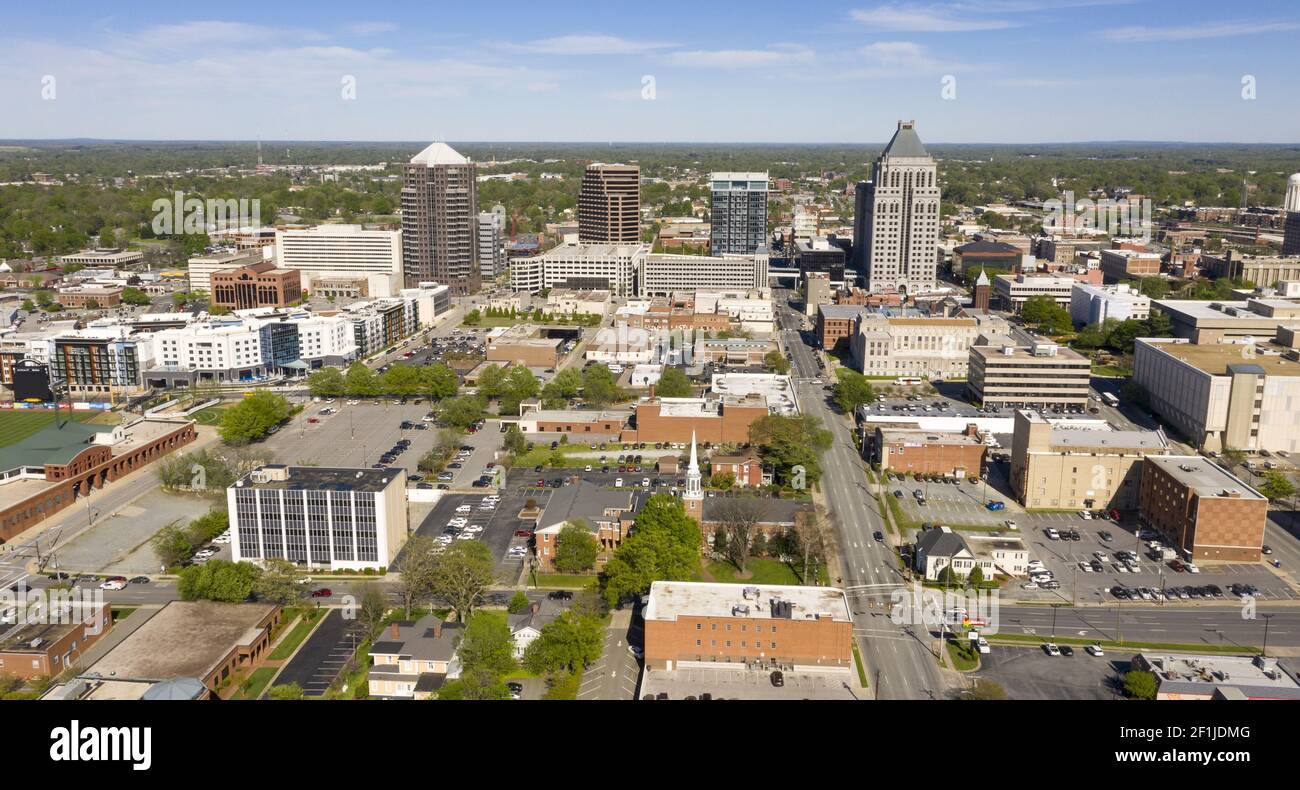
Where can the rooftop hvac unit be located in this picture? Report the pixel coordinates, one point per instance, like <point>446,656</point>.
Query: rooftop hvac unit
<point>740,609</point>
<point>259,477</point>
<point>750,592</point>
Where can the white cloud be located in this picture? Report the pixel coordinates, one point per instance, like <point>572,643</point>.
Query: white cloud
<point>1188,33</point>
<point>927,19</point>
<point>741,58</point>
<point>593,44</point>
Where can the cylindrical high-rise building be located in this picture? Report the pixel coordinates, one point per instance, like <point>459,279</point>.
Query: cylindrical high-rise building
<point>1291,239</point>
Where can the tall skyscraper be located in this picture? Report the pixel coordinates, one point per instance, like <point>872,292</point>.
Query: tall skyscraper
<point>609,204</point>
<point>861,200</point>
<point>1291,241</point>
<point>439,214</point>
<point>492,242</point>
<point>739,213</point>
<point>900,229</point>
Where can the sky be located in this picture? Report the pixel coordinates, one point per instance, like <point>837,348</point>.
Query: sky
<point>811,71</point>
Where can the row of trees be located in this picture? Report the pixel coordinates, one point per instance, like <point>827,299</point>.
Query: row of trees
<point>1119,336</point>
<point>174,544</point>
<point>432,381</point>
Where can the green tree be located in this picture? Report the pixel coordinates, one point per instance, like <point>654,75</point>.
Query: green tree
<point>492,382</point>
<point>279,583</point>
<point>487,644</point>
<point>285,691</point>
<point>673,384</point>
<point>664,546</point>
<point>461,576</point>
<point>575,548</point>
<point>976,576</point>
<point>571,641</point>
<point>1046,314</point>
<point>787,442</point>
<point>477,684</point>
<point>439,382</point>
<point>326,383</point>
<point>172,545</point>
<point>472,318</point>
<point>371,606</point>
<point>776,362</point>
<point>518,602</point>
<point>251,418</point>
<point>1140,685</point>
<point>1277,486</point>
<point>852,390</point>
<point>360,381</point>
<point>566,384</point>
<point>134,296</point>
<point>402,380</point>
<point>218,580</point>
<point>461,410</point>
<point>415,571</point>
<point>515,443</point>
<point>599,388</point>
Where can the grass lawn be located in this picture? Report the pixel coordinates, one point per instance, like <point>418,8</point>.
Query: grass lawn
<point>120,612</point>
<point>765,571</point>
<point>566,687</point>
<point>565,581</point>
<point>963,659</point>
<point>252,687</point>
<point>209,416</point>
<point>857,662</point>
<point>1038,639</point>
<point>18,425</point>
<point>290,643</point>
<point>1111,371</point>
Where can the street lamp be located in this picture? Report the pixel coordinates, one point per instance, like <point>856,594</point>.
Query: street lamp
<point>1264,650</point>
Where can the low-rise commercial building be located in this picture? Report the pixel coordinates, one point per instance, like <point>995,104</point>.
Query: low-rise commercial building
<point>524,344</point>
<point>1120,265</point>
<point>204,640</point>
<point>941,548</point>
<point>1011,291</point>
<point>910,450</point>
<point>579,425</point>
<point>702,624</point>
<point>566,302</point>
<point>746,468</point>
<point>1222,396</point>
<point>1261,270</point>
<point>317,517</point>
<point>1092,304</point>
<point>717,420</point>
<point>1055,466</point>
<point>1042,375</point>
<point>201,267</point>
<point>608,267</point>
<point>606,513</point>
<point>1195,676</point>
<point>93,297</point>
<point>103,258</point>
<point>51,635</point>
<point>1216,322</point>
<point>1201,509</point>
<point>258,284</point>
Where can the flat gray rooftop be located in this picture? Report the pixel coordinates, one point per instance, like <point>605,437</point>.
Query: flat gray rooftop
<point>1203,477</point>
<point>669,600</point>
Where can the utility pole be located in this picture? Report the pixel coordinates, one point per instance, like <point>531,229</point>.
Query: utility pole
<point>1264,652</point>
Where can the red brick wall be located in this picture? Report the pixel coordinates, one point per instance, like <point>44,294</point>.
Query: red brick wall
<point>825,642</point>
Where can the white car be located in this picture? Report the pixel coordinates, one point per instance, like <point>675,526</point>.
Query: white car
<point>1095,650</point>
<point>983,645</point>
<point>464,509</point>
<point>465,536</point>
<point>113,584</point>
<point>1052,534</point>
<point>618,483</point>
<point>1086,514</point>
<point>1084,566</point>
<point>1121,567</point>
<point>1101,555</point>
<point>645,482</point>
<point>588,468</point>
<point>1029,586</point>
<point>353,402</point>
<point>1191,567</point>
<point>1052,649</point>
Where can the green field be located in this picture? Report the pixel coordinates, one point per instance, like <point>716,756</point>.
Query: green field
<point>18,425</point>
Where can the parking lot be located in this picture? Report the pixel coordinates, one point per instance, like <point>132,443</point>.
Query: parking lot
<point>322,657</point>
<point>494,527</point>
<point>1029,673</point>
<point>1062,557</point>
<point>962,503</point>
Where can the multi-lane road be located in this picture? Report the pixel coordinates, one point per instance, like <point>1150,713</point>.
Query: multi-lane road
<point>898,660</point>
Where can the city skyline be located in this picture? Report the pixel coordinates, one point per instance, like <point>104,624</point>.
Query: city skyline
<point>581,77</point>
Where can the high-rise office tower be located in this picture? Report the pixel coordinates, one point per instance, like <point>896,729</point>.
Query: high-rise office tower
<point>861,199</point>
<point>492,243</point>
<point>900,229</point>
<point>739,213</point>
<point>1291,239</point>
<point>609,204</point>
<point>439,214</point>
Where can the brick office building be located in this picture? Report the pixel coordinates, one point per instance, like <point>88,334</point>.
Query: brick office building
<point>1202,509</point>
<point>47,649</point>
<point>724,420</point>
<point>259,284</point>
<point>697,623</point>
<point>910,450</point>
<point>835,324</point>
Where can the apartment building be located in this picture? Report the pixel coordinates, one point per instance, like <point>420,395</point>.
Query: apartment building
<point>491,232</point>
<point>1092,304</point>
<point>1042,375</point>
<point>928,347</point>
<point>319,517</point>
<point>1223,396</point>
<point>1203,510</point>
<point>738,213</point>
<point>343,260</point>
<point>1056,465</point>
<point>701,624</point>
<point>609,204</point>
<point>439,214</point>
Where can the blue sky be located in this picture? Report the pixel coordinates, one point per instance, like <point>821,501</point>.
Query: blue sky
<point>758,71</point>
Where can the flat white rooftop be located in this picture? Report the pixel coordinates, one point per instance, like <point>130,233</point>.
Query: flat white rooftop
<point>670,600</point>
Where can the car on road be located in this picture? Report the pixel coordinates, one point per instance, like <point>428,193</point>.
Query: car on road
<point>139,580</point>
<point>777,678</point>
<point>113,584</point>
<point>59,576</point>
<point>879,536</point>
<point>323,592</point>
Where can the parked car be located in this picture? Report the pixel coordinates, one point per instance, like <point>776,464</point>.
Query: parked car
<point>777,678</point>
<point>1051,649</point>
<point>323,592</point>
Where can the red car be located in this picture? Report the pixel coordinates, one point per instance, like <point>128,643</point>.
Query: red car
<point>523,533</point>
<point>323,592</point>
<point>313,420</point>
